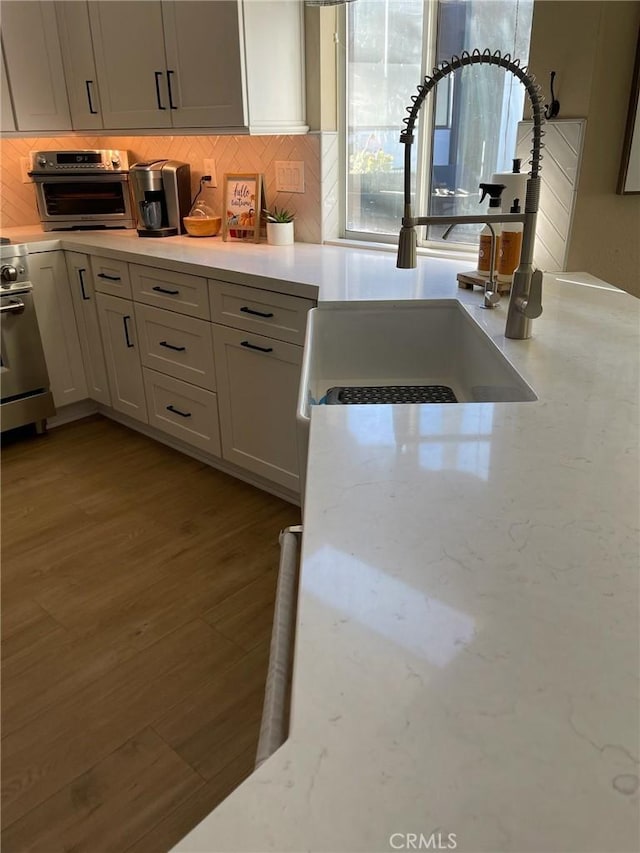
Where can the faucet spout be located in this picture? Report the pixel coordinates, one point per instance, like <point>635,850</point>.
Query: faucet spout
<point>407,248</point>
<point>526,293</point>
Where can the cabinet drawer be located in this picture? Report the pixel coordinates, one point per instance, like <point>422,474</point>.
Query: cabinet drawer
<point>111,277</point>
<point>181,410</point>
<point>176,291</point>
<point>273,314</point>
<point>178,345</point>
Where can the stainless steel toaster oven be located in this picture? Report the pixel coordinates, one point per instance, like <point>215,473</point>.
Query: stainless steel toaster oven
<point>82,189</point>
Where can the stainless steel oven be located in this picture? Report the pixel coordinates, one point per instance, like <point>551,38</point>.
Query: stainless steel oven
<point>24,382</point>
<point>82,189</point>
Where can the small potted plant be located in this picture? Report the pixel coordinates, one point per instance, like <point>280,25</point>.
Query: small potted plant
<point>279,226</point>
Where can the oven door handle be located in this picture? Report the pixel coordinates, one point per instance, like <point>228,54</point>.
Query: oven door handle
<point>14,307</point>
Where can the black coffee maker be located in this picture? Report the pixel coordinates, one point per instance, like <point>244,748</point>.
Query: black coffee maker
<point>162,196</point>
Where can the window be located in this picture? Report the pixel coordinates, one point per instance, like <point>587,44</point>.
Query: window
<point>467,126</point>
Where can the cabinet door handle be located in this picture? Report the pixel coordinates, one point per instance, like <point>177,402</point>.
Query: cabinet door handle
<point>171,104</point>
<point>158,75</point>
<point>159,289</point>
<point>81,273</point>
<point>126,330</point>
<point>253,346</point>
<point>246,310</point>
<point>89,84</point>
<point>171,346</point>
<point>178,412</point>
<point>109,277</point>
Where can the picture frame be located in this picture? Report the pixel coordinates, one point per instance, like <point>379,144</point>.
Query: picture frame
<point>243,202</point>
<point>629,176</point>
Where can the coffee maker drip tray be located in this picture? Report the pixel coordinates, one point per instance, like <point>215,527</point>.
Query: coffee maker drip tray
<point>157,232</point>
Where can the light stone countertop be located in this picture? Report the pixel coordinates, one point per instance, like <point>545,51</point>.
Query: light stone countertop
<point>468,646</point>
<point>304,269</point>
<point>468,636</point>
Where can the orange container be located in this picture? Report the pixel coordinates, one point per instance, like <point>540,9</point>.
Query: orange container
<point>202,226</point>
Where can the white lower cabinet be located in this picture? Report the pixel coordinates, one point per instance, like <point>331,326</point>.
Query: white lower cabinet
<point>111,276</point>
<point>175,291</point>
<point>228,388</point>
<point>57,324</point>
<point>276,315</point>
<point>120,339</point>
<point>179,346</point>
<point>183,411</point>
<point>83,296</point>
<point>257,382</point>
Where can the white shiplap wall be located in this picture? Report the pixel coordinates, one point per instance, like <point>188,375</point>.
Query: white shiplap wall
<point>559,175</point>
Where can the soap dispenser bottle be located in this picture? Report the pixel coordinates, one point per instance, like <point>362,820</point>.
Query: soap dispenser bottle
<point>494,191</point>
<point>510,246</point>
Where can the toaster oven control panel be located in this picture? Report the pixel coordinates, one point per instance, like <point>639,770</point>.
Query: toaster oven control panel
<point>79,162</point>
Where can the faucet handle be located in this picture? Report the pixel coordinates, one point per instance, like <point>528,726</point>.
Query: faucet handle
<point>533,304</point>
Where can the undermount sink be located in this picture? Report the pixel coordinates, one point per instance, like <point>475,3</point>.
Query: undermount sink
<point>411,343</point>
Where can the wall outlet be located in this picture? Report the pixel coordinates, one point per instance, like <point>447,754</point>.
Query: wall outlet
<point>25,165</point>
<point>210,169</point>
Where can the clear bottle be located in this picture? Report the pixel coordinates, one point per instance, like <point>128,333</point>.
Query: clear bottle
<point>201,209</point>
<point>494,191</point>
<point>510,246</point>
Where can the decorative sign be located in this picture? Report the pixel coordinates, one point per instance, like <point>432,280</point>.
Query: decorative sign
<point>243,200</point>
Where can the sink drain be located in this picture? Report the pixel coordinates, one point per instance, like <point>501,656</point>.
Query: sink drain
<point>390,394</point>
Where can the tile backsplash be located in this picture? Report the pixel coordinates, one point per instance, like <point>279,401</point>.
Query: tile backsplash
<point>231,154</point>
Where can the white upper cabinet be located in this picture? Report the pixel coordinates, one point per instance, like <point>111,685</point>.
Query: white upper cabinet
<point>274,55</point>
<point>226,65</point>
<point>34,66</point>
<point>7,119</point>
<point>204,67</point>
<point>79,65</point>
<point>128,45</point>
<point>167,64</point>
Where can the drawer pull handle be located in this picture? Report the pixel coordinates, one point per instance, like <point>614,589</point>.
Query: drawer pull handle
<point>109,277</point>
<point>246,310</point>
<point>81,273</point>
<point>126,330</point>
<point>253,346</point>
<point>159,289</point>
<point>178,412</point>
<point>171,346</point>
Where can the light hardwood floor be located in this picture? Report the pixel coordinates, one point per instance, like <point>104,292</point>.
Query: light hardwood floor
<point>137,597</point>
